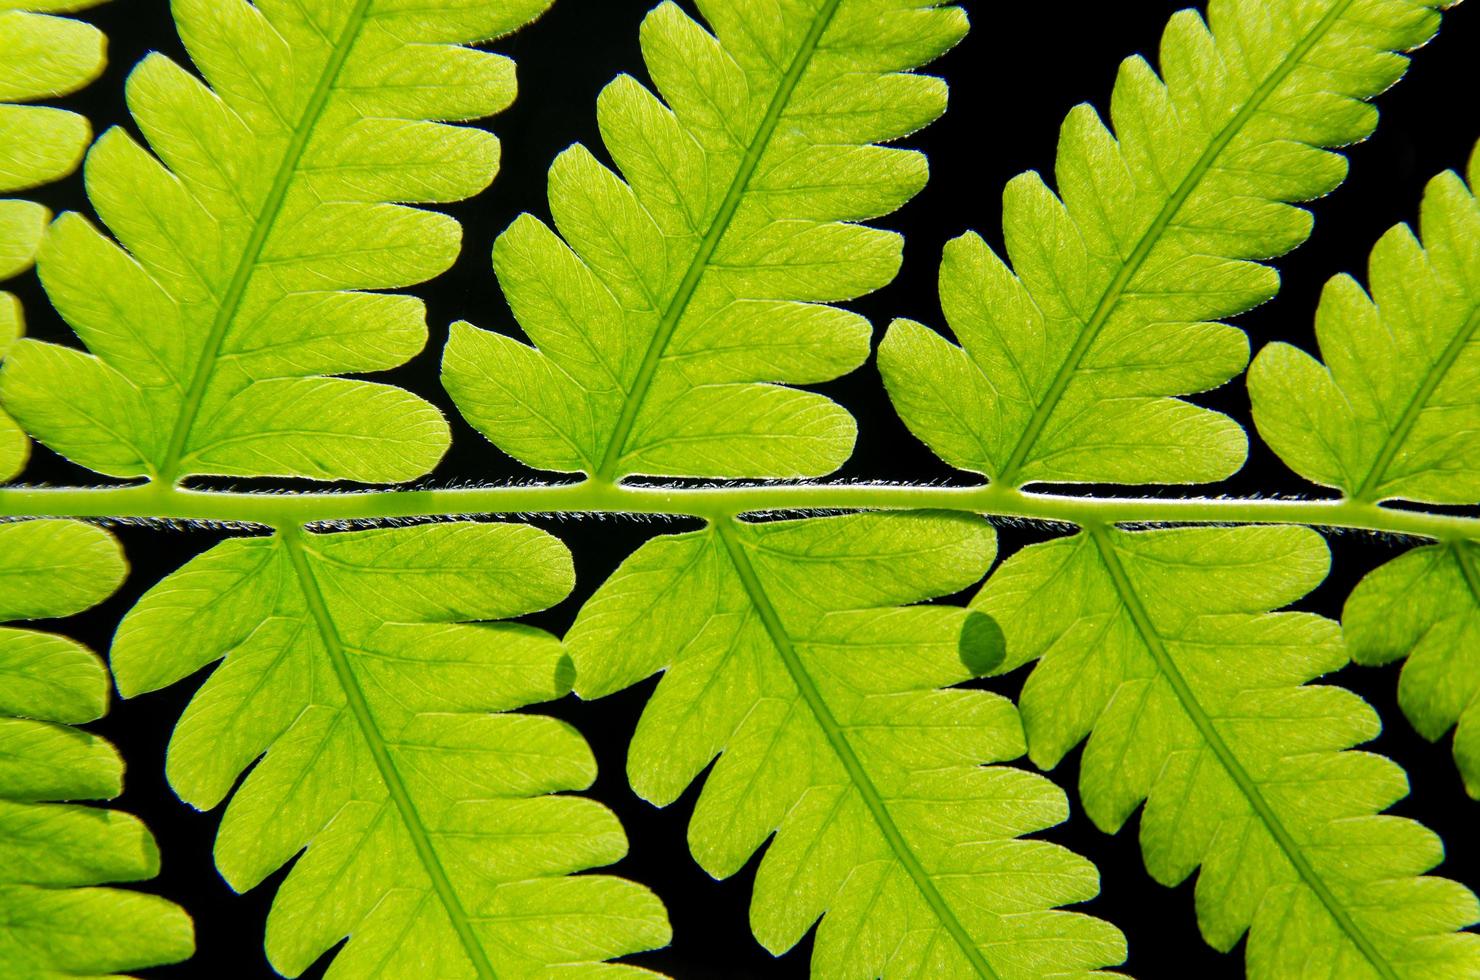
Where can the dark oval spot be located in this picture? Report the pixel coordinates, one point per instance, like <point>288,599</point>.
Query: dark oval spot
<point>982,644</point>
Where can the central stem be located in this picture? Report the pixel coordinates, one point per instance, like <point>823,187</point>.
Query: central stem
<point>154,501</point>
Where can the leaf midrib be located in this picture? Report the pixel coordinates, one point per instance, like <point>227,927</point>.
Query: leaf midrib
<point>416,828</point>
<point>1415,407</point>
<point>1199,717</point>
<point>1110,299</point>
<point>838,740</point>
<point>689,284</point>
<point>262,228</point>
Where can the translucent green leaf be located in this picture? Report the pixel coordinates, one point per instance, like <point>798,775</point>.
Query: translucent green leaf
<point>53,921</point>
<point>246,239</point>
<point>14,446</point>
<point>389,750</point>
<point>675,298</point>
<point>1069,358</point>
<point>45,56</point>
<point>1395,411</point>
<point>787,653</point>
<point>1425,606</point>
<point>1160,647</point>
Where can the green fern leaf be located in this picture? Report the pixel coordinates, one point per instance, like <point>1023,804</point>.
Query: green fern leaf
<point>45,56</point>
<point>247,241</point>
<point>434,841</point>
<point>1396,414</point>
<point>1425,606</point>
<point>1070,357</point>
<point>1161,648</point>
<point>786,653</point>
<point>53,922</point>
<point>15,448</point>
<point>680,294</point>
<point>364,714</point>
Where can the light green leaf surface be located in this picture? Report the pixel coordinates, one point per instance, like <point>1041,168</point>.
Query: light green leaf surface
<point>53,922</point>
<point>14,446</point>
<point>787,653</point>
<point>388,749</point>
<point>1069,358</point>
<point>1425,606</point>
<point>248,236</point>
<point>44,56</point>
<point>677,296</point>
<point>1160,647</point>
<point>1395,413</point>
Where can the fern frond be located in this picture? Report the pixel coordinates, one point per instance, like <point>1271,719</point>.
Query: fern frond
<point>787,654</point>
<point>45,56</point>
<point>433,837</point>
<point>248,236</point>
<point>1395,413</point>
<point>1160,647</point>
<point>673,299</point>
<point>53,921</point>
<point>1070,357</point>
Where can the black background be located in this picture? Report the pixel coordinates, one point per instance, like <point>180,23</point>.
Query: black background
<point>1012,80</point>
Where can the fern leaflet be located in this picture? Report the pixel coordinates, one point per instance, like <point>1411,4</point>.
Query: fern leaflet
<point>1425,606</point>
<point>433,839</point>
<point>676,294</point>
<point>45,56</point>
<point>1070,356</point>
<point>247,242</point>
<point>1161,648</point>
<point>787,653</point>
<point>52,854</point>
